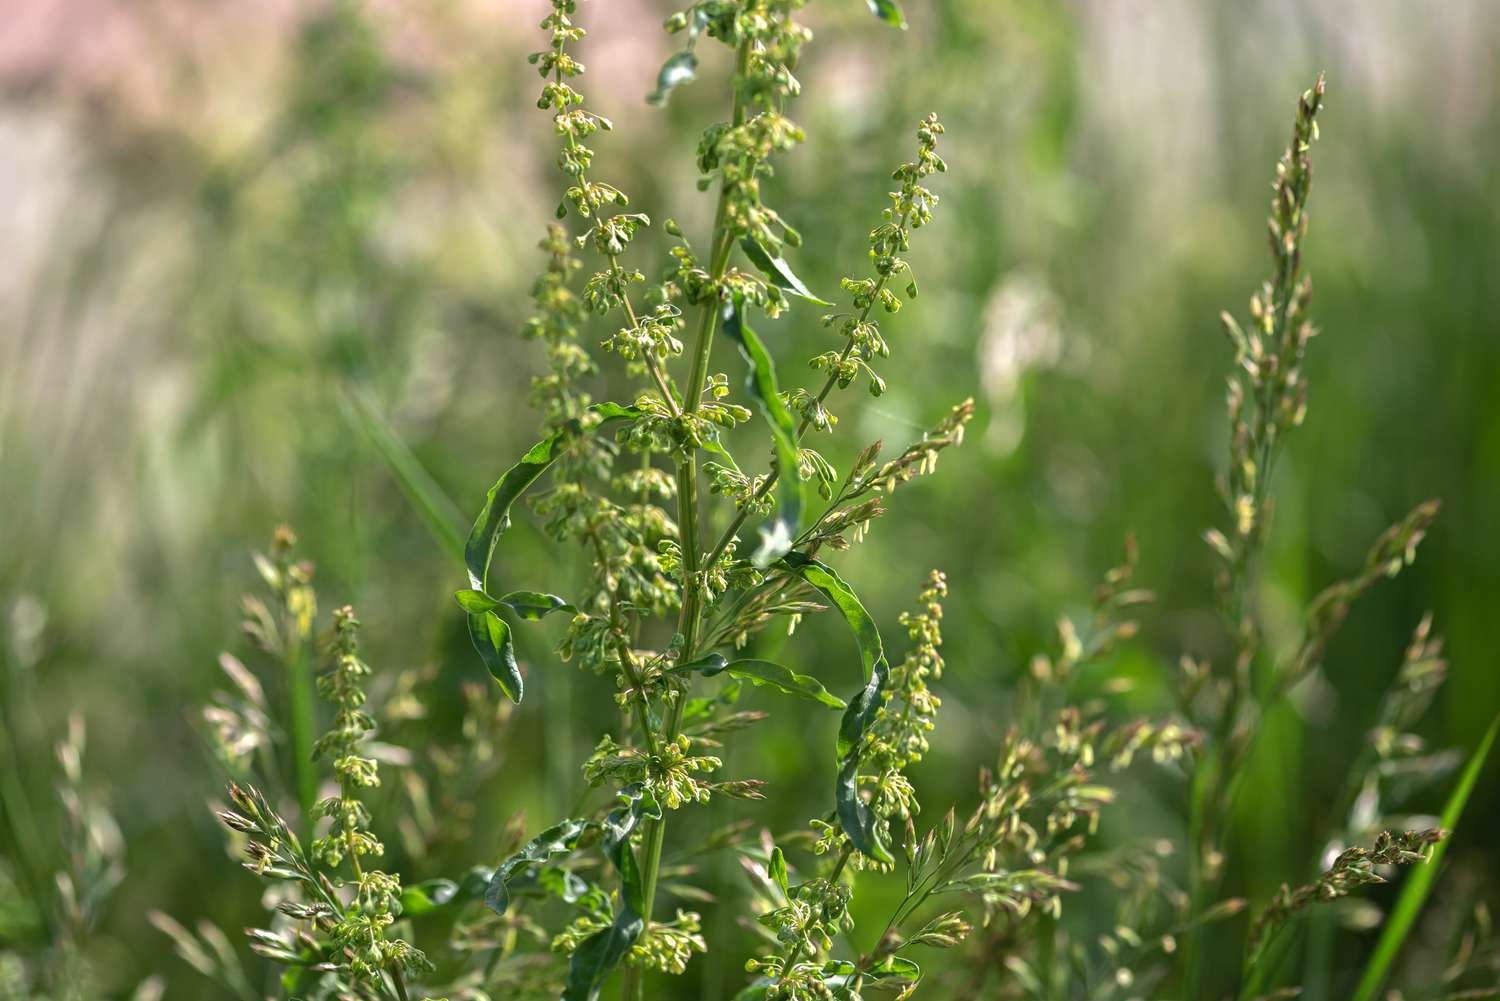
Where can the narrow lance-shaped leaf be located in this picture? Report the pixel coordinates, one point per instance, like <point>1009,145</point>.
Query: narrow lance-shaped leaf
<point>854,814</point>
<point>487,631</point>
<point>780,273</point>
<point>1419,884</point>
<point>762,384</point>
<point>598,955</point>
<point>766,674</point>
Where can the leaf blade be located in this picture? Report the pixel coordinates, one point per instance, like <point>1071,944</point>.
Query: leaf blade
<point>1418,884</point>
<point>778,271</point>
<point>762,384</point>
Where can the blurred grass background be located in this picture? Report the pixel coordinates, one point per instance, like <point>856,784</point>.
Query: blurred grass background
<point>224,222</point>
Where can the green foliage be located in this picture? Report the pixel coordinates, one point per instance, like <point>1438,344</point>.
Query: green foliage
<point>364,347</point>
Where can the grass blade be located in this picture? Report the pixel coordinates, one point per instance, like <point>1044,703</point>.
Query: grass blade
<point>436,508</point>
<point>1414,892</point>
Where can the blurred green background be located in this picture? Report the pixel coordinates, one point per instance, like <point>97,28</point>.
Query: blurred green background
<point>222,223</point>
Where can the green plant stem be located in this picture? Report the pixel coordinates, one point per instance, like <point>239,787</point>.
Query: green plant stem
<point>632,985</point>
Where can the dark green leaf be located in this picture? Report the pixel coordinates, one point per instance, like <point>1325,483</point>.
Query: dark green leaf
<point>491,637</point>
<point>494,517</point>
<point>888,11</point>
<point>556,840</point>
<point>491,640</point>
<point>601,952</point>
<point>534,605</point>
<point>778,271</point>
<point>762,385</point>
<point>855,816</point>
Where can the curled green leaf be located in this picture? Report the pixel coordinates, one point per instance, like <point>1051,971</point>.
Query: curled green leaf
<point>780,273</point>
<point>489,633</point>
<point>766,674</point>
<point>558,839</point>
<point>855,816</point>
<point>491,637</point>
<point>680,68</point>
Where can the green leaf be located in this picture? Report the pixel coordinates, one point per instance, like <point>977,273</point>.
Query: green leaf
<point>765,674</point>
<point>680,68</point>
<point>491,637</point>
<point>427,497</point>
<point>888,11</point>
<point>1417,886</point>
<point>776,869</point>
<point>854,814</point>
<point>535,605</point>
<point>491,640</point>
<point>556,840</point>
<point>762,385</point>
<point>475,602</point>
<point>600,953</point>
<point>426,897</point>
<point>895,967</point>
<point>778,271</point>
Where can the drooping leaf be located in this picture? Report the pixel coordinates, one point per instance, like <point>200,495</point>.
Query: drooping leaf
<point>600,953</point>
<point>780,273</point>
<point>558,839</point>
<point>767,674</point>
<point>489,633</point>
<point>888,11</point>
<point>680,68</point>
<point>1419,883</point>
<point>762,385</point>
<point>491,637</point>
<point>854,814</point>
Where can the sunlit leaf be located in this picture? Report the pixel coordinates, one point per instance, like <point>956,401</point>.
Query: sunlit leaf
<point>491,637</point>
<point>766,674</point>
<point>1419,884</point>
<point>780,273</point>
<point>888,11</point>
